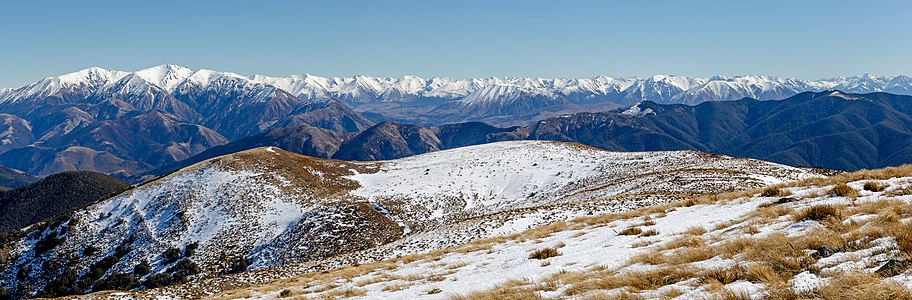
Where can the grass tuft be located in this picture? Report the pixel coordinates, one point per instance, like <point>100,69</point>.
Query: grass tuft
<point>631,231</point>
<point>774,192</point>
<point>873,187</point>
<point>843,190</point>
<point>544,253</point>
<point>820,213</point>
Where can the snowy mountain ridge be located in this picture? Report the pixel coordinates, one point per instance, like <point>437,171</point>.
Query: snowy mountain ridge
<point>367,89</point>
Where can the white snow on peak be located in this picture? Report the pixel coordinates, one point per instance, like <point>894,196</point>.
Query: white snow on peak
<point>206,77</point>
<point>166,77</point>
<point>502,93</point>
<point>90,76</point>
<point>489,90</point>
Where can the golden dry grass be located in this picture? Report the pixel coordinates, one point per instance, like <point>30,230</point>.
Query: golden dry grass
<point>843,190</point>
<point>873,187</point>
<point>820,213</point>
<point>544,253</point>
<point>863,286</point>
<point>631,231</point>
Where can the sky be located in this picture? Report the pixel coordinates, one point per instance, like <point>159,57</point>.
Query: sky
<point>808,39</point>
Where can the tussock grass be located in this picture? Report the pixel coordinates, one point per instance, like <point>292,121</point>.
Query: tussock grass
<point>510,290</point>
<point>863,286</point>
<point>635,281</point>
<point>879,174</point>
<point>649,232</point>
<point>544,253</point>
<point>843,190</point>
<point>631,231</point>
<point>873,187</point>
<point>820,213</point>
<point>774,192</point>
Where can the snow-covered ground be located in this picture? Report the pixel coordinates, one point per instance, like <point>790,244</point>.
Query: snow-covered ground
<point>491,178</point>
<point>594,248</point>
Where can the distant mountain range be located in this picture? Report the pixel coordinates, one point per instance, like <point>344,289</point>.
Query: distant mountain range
<point>827,129</point>
<point>128,124</point>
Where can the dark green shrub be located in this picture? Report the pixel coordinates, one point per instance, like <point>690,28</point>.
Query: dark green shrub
<point>142,268</point>
<point>47,243</point>
<point>185,267</point>
<point>157,280</point>
<point>62,285</point>
<point>121,251</point>
<point>238,265</point>
<point>101,267</point>
<point>22,273</point>
<point>190,249</point>
<point>117,281</point>
<point>50,266</point>
<point>171,255</point>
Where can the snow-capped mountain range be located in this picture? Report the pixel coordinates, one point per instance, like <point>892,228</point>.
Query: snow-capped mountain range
<point>624,90</point>
<point>381,94</point>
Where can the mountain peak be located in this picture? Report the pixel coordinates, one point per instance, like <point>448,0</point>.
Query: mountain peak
<point>166,77</point>
<point>89,76</point>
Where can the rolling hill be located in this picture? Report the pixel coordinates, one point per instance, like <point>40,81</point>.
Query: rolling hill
<point>266,207</point>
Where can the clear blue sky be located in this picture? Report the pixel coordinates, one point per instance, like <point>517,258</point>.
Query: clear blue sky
<point>459,39</point>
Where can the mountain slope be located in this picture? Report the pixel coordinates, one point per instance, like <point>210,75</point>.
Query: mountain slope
<point>54,195</point>
<point>121,147</point>
<point>388,140</point>
<point>11,178</point>
<point>829,129</point>
<point>267,207</point>
<point>303,139</point>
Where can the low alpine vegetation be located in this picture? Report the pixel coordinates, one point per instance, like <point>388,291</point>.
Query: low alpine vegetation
<point>873,187</point>
<point>843,190</point>
<point>544,253</point>
<point>774,192</point>
<point>819,213</point>
<point>631,231</point>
